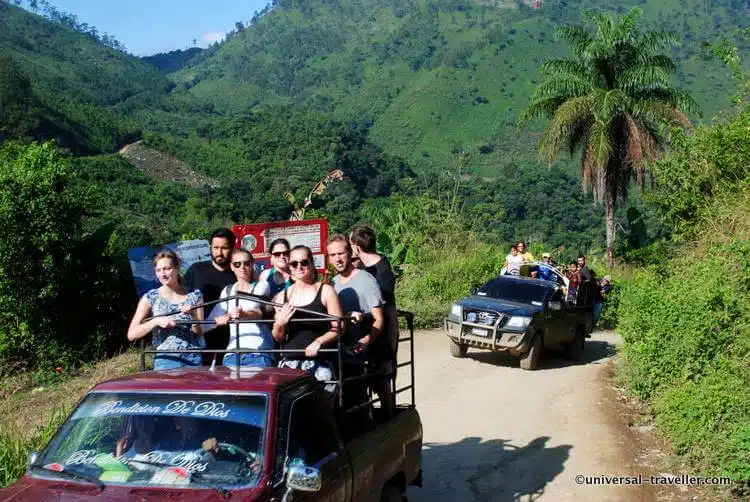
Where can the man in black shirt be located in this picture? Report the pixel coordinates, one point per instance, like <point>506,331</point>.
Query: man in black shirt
<point>210,277</point>
<point>364,247</point>
<point>586,274</point>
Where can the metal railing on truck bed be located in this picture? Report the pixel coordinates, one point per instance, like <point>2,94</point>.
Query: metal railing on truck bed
<point>340,350</point>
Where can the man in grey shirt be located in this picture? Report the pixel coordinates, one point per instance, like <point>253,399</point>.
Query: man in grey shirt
<point>360,294</point>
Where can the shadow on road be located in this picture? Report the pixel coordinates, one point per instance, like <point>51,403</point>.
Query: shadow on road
<point>594,352</point>
<point>489,471</point>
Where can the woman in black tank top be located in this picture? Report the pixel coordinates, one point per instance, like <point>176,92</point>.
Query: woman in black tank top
<point>309,336</point>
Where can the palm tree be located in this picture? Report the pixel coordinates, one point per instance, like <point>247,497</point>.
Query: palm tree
<point>612,101</point>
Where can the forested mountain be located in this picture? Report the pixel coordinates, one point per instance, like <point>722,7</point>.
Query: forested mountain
<point>434,77</point>
<point>68,81</point>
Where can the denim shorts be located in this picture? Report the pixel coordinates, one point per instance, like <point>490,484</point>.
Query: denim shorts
<point>261,360</point>
<point>171,361</point>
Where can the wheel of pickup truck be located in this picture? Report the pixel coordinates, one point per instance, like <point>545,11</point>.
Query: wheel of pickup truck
<point>530,359</point>
<point>391,493</point>
<point>457,349</point>
<point>574,350</point>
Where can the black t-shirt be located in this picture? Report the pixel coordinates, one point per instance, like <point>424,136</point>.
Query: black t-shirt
<point>586,274</point>
<point>204,276</point>
<point>383,274</point>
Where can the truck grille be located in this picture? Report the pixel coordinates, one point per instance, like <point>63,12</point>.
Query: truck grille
<point>488,318</point>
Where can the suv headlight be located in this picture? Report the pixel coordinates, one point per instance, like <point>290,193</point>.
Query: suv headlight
<point>518,322</point>
<point>456,311</point>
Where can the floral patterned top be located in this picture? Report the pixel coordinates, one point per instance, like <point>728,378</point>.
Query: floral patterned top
<point>181,336</point>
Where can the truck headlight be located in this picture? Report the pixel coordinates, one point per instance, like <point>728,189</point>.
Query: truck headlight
<point>456,311</point>
<point>518,322</point>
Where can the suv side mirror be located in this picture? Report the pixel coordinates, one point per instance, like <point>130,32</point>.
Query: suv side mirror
<point>33,457</point>
<point>473,290</point>
<point>304,479</point>
<point>555,305</point>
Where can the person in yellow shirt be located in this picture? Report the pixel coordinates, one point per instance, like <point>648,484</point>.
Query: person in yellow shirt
<point>527,256</point>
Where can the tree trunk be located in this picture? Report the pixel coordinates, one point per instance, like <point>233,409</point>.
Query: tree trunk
<point>609,214</point>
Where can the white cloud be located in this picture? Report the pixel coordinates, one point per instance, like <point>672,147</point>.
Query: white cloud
<point>214,36</point>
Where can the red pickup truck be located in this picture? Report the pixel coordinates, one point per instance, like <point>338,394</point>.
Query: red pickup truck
<point>255,434</point>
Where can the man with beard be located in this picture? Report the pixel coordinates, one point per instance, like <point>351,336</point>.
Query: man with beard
<point>210,277</point>
<point>360,297</point>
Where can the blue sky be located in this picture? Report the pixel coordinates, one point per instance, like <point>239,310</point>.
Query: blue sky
<point>150,26</point>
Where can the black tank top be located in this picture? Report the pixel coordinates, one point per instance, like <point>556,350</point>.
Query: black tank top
<point>302,334</point>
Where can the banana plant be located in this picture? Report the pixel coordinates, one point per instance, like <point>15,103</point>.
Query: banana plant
<point>318,190</point>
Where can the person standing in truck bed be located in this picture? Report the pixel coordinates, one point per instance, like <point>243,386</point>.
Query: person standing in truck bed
<point>385,347</point>
<point>210,277</point>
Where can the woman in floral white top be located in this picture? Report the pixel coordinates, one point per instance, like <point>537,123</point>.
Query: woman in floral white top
<point>167,334</point>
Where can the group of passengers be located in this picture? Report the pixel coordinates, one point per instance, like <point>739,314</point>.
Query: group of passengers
<point>579,275</point>
<point>298,313</point>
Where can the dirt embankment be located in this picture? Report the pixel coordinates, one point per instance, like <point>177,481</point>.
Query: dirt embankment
<point>162,167</point>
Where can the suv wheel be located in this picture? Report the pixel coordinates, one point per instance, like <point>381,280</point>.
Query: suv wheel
<point>457,349</point>
<point>574,351</point>
<point>530,359</point>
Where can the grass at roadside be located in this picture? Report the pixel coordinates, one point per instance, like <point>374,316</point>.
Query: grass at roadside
<point>30,414</point>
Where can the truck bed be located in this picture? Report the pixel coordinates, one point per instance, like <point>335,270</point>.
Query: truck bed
<point>391,452</point>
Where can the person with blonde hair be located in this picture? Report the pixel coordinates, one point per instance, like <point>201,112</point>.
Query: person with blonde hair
<point>170,297</point>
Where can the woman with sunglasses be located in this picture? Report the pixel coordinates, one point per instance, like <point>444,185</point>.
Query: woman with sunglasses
<point>307,336</point>
<point>278,276</point>
<point>251,335</point>
<point>167,334</point>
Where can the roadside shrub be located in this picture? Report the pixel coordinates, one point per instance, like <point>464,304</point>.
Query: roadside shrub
<point>441,276</point>
<point>56,280</point>
<point>15,446</point>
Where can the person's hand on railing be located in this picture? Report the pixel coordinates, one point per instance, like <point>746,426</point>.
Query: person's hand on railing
<point>164,322</point>
<point>222,320</point>
<point>236,313</point>
<point>356,317</point>
<point>187,309</point>
<point>312,349</point>
<point>284,315</point>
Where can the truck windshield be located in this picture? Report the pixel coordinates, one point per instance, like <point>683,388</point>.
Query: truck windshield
<point>514,291</point>
<point>167,440</point>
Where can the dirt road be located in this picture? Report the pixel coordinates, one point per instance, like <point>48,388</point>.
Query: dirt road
<point>494,432</point>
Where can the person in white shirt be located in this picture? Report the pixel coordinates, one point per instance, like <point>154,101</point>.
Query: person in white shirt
<point>513,262</point>
<point>251,335</point>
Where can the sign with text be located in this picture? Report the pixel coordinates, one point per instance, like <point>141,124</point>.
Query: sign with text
<point>257,238</point>
<point>142,267</point>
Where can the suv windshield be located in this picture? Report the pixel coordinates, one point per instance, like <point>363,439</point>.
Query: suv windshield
<point>162,439</point>
<point>514,291</point>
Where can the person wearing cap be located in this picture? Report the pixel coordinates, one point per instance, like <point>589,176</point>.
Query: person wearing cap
<point>546,271</point>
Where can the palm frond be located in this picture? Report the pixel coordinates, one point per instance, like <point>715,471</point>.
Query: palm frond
<point>661,60</point>
<point>640,149</point>
<point>628,24</point>
<point>607,104</point>
<point>654,40</point>
<point>545,108</point>
<point>660,112</point>
<point>643,77</point>
<point>565,87</point>
<point>569,116</point>
<point>577,37</point>
<point>566,68</point>
<point>604,24</point>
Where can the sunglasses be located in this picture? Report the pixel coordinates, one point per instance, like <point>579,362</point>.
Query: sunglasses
<point>238,264</point>
<point>276,254</point>
<point>301,263</point>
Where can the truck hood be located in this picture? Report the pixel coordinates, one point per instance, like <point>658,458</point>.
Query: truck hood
<point>29,489</point>
<point>504,306</point>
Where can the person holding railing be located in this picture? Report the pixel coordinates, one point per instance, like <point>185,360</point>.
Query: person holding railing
<point>167,334</point>
<point>249,335</point>
<point>307,337</point>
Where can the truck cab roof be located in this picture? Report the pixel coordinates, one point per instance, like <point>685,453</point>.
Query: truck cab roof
<point>203,379</point>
